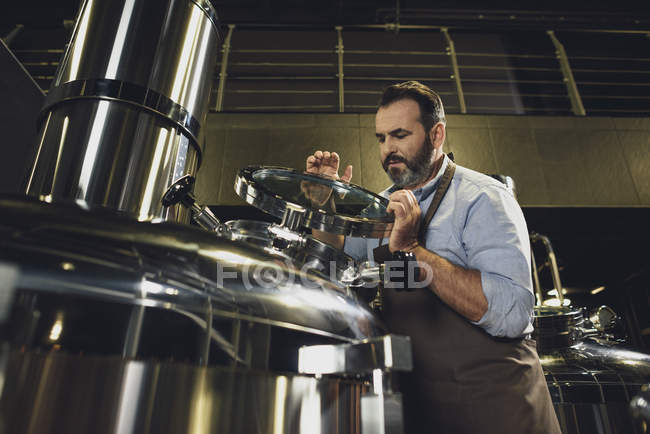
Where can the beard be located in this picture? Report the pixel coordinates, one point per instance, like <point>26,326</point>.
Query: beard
<point>417,170</point>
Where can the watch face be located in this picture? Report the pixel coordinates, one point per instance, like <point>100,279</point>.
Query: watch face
<point>402,272</point>
<point>400,255</point>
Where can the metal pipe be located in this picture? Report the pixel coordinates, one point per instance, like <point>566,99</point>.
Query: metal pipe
<point>48,50</point>
<point>12,34</point>
<point>180,192</point>
<point>543,95</point>
<point>616,71</point>
<point>280,64</point>
<point>356,65</point>
<point>283,77</point>
<point>281,91</point>
<point>506,55</point>
<point>348,77</point>
<point>490,80</point>
<point>393,26</point>
<point>615,97</point>
<point>508,68</point>
<point>539,295</point>
<point>279,51</point>
<point>389,52</point>
<point>282,107</point>
<point>451,51</point>
<point>577,107</point>
<point>339,51</point>
<point>534,109</point>
<point>555,271</point>
<point>377,93</point>
<point>223,74</point>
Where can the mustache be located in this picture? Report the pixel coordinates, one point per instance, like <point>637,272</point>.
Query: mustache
<point>393,158</point>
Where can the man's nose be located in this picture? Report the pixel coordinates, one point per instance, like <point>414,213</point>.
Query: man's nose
<point>389,146</point>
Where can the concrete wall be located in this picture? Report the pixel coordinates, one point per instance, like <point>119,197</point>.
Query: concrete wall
<point>555,161</point>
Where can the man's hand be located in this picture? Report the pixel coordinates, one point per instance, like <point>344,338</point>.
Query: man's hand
<point>327,164</point>
<point>404,206</point>
<point>458,287</point>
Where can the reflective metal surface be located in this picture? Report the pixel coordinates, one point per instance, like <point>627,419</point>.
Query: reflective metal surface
<point>592,383</point>
<point>390,352</point>
<point>315,202</point>
<point>55,392</point>
<point>603,318</point>
<point>122,119</point>
<point>118,162</point>
<point>307,253</point>
<point>164,45</point>
<point>556,327</point>
<point>181,192</point>
<point>73,259</point>
<point>555,271</point>
<point>115,325</point>
<point>590,373</point>
<point>640,406</point>
<point>381,407</point>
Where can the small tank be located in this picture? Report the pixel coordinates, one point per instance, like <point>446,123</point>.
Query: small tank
<point>592,375</point>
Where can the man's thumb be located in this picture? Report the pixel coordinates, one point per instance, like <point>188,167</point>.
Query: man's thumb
<point>347,175</point>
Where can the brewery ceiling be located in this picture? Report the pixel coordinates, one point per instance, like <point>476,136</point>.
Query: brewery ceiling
<point>527,12</point>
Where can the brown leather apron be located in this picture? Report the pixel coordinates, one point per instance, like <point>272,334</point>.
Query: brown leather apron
<point>464,380</point>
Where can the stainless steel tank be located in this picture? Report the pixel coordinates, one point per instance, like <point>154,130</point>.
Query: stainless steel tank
<point>113,325</point>
<point>592,376</point>
<point>123,117</point>
<point>114,317</point>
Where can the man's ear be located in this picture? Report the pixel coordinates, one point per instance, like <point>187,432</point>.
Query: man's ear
<point>437,135</point>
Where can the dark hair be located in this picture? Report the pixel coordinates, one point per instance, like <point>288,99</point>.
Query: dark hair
<point>431,110</point>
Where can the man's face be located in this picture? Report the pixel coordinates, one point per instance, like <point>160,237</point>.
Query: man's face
<point>406,150</point>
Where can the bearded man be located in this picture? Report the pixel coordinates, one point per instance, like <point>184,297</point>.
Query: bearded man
<point>476,369</point>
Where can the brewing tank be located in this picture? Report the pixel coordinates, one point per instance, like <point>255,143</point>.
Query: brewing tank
<point>123,117</point>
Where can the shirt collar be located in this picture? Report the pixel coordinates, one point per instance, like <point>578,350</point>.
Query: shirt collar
<point>427,189</point>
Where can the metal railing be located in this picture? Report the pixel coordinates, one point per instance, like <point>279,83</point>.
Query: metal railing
<point>343,68</point>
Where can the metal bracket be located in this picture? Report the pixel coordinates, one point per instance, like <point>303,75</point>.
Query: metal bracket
<point>381,408</point>
<point>451,52</point>
<point>576,101</point>
<point>555,271</point>
<point>386,353</point>
<point>223,74</point>
<point>339,51</point>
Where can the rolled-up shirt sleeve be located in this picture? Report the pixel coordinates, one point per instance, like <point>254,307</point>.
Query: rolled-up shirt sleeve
<point>495,239</point>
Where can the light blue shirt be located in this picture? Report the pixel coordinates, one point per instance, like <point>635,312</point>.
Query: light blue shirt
<point>479,225</point>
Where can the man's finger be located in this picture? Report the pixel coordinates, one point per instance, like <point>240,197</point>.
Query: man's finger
<point>410,205</point>
<point>413,202</point>
<point>311,161</point>
<point>318,155</point>
<point>397,208</point>
<point>399,196</point>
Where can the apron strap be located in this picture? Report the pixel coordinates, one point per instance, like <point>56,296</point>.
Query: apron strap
<point>442,189</point>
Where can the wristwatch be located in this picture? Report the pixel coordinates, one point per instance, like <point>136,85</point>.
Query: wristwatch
<point>406,270</point>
